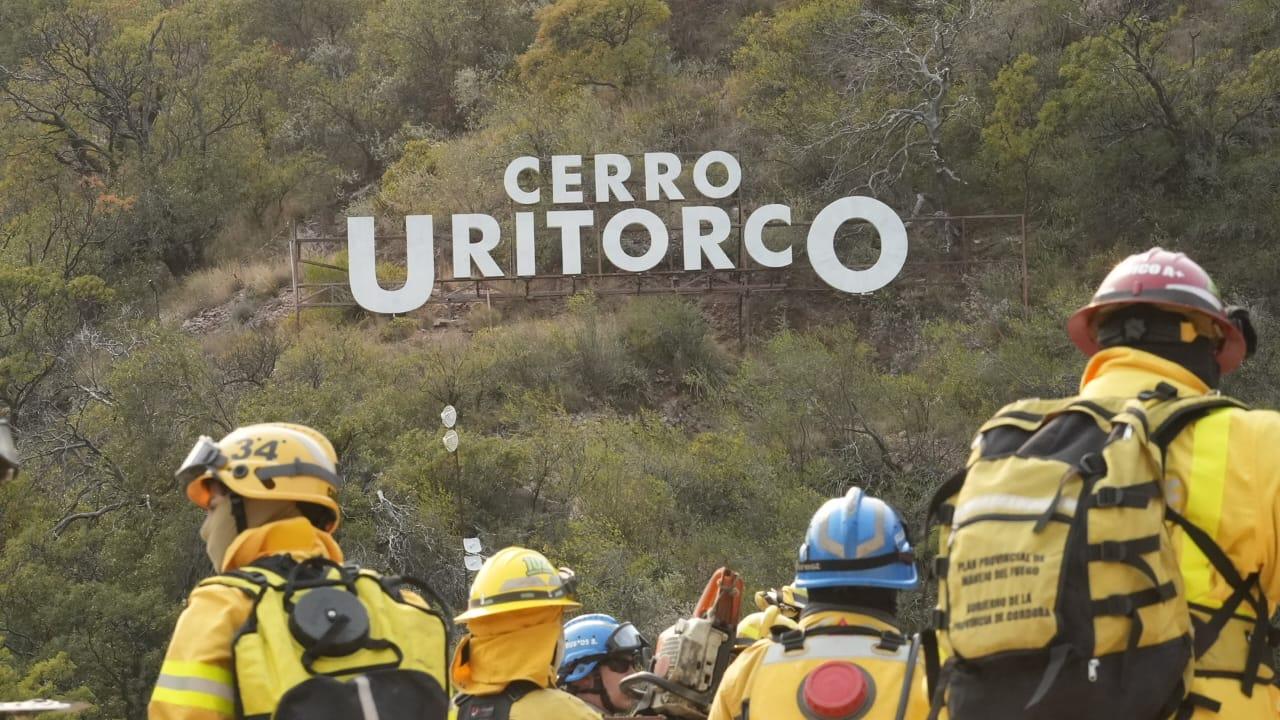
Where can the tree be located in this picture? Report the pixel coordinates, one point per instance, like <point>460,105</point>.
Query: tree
<point>884,86</point>
<point>1021,124</point>
<point>39,313</point>
<point>599,43</point>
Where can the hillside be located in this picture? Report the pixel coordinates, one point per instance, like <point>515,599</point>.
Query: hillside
<point>156,155</point>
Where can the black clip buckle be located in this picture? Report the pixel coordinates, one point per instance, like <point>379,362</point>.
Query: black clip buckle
<point>1107,497</point>
<point>1111,551</point>
<point>1119,605</point>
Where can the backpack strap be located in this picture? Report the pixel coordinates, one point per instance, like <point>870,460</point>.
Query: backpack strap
<point>496,706</point>
<point>793,640</point>
<point>939,510</point>
<point>1243,589</point>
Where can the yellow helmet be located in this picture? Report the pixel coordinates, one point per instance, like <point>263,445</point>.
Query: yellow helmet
<point>761,625</point>
<point>789,600</point>
<point>517,578</point>
<point>270,461</point>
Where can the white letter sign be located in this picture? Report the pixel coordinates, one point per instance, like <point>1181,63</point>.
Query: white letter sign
<point>362,266</point>
<point>714,216</point>
<point>822,244</point>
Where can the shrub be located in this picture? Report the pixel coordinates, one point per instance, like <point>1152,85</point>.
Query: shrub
<point>670,335</point>
<point>398,329</point>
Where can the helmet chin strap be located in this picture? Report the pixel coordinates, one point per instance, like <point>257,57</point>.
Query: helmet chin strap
<point>597,687</point>
<point>238,512</point>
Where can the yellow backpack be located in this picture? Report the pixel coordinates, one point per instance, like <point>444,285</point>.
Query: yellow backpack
<point>1059,589</point>
<point>328,641</point>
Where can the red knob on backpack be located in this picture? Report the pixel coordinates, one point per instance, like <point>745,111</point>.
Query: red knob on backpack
<point>835,690</point>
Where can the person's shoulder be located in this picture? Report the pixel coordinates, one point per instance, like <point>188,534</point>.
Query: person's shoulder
<point>1260,416</point>
<point>549,702</point>
<point>1257,423</point>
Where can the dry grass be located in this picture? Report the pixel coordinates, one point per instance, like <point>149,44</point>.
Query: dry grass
<point>218,285</point>
<point>264,279</point>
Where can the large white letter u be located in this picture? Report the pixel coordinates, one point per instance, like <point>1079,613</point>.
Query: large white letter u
<point>362,263</point>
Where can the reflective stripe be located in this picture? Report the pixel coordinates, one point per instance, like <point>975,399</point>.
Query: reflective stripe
<point>207,671</point>
<point>1015,504</point>
<point>193,699</point>
<point>1205,492</point>
<point>367,707</point>
<point>208,687</point>
<point>839,647</point>
<point>196,685</point>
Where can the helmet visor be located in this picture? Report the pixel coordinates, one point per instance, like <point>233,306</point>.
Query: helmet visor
<point>204,459</point>
<point>8,451</point>
<point>627,640</point>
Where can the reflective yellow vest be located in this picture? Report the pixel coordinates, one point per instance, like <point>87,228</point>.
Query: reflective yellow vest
<point>765,682</point>
<point>1222,474</point>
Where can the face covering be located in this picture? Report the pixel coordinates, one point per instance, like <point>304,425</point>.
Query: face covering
<point>503,648</point>
<point>1159,332</point>
<point>219,530</point>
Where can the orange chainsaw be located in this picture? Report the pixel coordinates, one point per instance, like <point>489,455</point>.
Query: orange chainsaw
<point>691,656</point>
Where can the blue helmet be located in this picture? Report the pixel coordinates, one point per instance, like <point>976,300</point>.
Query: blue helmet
<point>856,541</point>
<point>588,639</point>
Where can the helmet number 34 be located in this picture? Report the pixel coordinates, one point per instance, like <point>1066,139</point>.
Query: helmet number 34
<point>267,450</point>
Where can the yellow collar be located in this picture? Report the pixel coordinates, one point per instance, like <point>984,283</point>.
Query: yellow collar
<point>296,537</point>
<point>1125,372</point>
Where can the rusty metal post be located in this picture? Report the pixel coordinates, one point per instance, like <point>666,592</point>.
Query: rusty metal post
<point>294,253</point>
<point>1026,276</point>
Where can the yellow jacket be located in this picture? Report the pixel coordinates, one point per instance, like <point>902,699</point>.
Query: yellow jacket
<point>1223,473</point>
<point>552,704</point>
<point>196,680</point>
<point>524,645</point>
<point>767,679</point>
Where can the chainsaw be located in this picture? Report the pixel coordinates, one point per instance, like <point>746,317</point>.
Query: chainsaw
<point>691,656</point>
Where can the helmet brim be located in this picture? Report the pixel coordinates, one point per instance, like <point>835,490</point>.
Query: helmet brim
<point>198,493</point>
<point>904,577</point>
<point>481,612</point>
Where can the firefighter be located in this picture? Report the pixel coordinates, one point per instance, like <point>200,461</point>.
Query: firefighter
<point>848,658</point>
<point>506,664</point>
<point>761,624</point>
<point>268,493</point>
<point>1159,318</point>
<point>598,652</point>
<point>789,600</point>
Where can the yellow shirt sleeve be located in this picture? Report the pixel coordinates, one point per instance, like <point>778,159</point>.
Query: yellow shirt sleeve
<point>727,704</point>
<point>1264,431</point>
<point>196,681</point>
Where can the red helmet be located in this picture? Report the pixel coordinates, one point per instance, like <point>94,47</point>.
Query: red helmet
<point>1170,280</point>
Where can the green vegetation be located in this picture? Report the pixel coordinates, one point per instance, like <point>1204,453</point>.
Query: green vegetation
<point>153,154</point>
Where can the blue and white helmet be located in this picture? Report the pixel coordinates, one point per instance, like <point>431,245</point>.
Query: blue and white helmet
<point>856,541</point>
<point>588,639</point>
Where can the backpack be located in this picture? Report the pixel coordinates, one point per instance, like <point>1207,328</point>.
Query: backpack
<point>493,707</point>
<point>884,659</point>
<point>328,641</point>
<point>1059,589</point>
